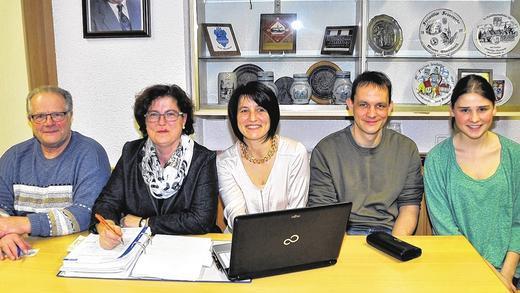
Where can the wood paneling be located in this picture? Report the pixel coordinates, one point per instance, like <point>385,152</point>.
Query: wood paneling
<point>424,227</point>
<point>39,42</point>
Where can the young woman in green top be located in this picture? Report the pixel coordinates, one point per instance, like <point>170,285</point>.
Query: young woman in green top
<point>472,180</point>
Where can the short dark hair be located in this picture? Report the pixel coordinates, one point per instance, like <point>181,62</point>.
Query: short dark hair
<point>375,78</point>
<point>144,99</point>
<point>264,97</point>
<point>472,84</point>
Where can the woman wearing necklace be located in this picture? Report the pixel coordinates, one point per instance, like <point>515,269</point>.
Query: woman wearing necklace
<point>262,171</point>
<point>165,180</point>
<point>472,180</point>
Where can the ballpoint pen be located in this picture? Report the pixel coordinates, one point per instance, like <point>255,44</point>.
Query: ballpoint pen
<point>104,222</point>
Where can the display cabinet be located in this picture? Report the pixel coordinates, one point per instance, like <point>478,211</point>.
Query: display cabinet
<point>314,17</point>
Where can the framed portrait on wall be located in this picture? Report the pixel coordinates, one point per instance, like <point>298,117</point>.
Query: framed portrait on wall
<point>277,34</point>
<point>220,39</point>
<point>116,18</point>
<point>485,73</point>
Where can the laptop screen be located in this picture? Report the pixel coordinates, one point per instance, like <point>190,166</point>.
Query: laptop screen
<point>275,242</point>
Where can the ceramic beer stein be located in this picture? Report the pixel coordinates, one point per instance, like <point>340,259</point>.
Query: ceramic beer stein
<point>227,83</point>
<point>301,89</point>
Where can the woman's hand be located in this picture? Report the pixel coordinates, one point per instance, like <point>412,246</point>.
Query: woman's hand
<point>130,221</point>
<point>508,276</point>
<point>509,268</point>
<point>10,244</point>
<point>107,238</point>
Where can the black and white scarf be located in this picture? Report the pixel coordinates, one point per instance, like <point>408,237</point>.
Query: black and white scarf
<point>166,182</point>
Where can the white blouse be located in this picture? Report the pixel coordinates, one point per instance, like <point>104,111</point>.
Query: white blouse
<point>287,186</point>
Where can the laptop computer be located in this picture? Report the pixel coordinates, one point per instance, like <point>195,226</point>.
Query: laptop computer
<point>284,241</point>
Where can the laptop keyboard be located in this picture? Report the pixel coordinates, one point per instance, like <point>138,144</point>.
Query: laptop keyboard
<point>225,257</point>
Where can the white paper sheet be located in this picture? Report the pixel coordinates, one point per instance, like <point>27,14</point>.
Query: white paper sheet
<point>171,257</point>
<point>88,256</point>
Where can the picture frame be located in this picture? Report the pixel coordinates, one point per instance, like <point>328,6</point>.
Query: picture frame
<point>339,40</point>
<point>220,39</point>
<point>101,19</point>
<point>277,34</point>
<point>485,73</point>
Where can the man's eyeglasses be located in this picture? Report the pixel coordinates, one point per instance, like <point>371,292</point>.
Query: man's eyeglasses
<point>42,117</point>
<point>169,116</point>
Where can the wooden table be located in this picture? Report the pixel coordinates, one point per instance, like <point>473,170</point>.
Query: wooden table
<point>448,264</point>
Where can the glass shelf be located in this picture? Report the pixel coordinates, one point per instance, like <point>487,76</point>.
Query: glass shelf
<point>276,57</point>
<point>477,56</point>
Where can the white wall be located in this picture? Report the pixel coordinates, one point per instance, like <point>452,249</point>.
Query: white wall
<point>105,74</point>
<point>13,76</point>
<point>426,133</point>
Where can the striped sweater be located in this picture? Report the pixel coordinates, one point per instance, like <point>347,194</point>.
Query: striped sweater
<point>57,194</point>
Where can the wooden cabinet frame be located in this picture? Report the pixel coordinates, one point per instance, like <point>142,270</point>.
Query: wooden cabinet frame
<point>39,42</point>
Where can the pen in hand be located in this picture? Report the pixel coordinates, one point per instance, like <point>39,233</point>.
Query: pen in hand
<point>104,222</point>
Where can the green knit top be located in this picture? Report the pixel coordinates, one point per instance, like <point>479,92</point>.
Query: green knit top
<point>486,212</point>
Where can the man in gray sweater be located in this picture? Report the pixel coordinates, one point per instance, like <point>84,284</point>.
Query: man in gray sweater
<point>375,168</point>
<point>49,182</point>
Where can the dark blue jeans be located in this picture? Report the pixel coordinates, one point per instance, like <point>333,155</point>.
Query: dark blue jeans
<point>366,231</point>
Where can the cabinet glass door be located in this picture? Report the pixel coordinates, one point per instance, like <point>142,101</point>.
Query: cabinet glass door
<point>441,32</point>
<point>244,17</point>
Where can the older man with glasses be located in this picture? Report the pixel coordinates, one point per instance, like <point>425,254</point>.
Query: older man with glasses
<point>48,183</point>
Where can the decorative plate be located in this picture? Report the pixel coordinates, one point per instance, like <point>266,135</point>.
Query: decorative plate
<point>496,34</point>
<point>503,88</point>
<point>321,78</point>
<point>433,83</point>
<point>284,90</point>
<point>246,73</point>
<point>385,36</point>
<point>442,32</point>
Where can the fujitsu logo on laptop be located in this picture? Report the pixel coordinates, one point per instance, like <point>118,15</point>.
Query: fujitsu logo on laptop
<point>293,239</point>
<point>295,216</point>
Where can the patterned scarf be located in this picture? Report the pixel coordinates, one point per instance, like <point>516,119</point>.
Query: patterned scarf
<point>166,182</point>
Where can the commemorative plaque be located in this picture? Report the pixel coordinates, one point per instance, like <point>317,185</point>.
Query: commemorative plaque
<point>277,34</point>
<point>339,40</point>
<point>496,34</point>
<point>442,32</point>
<point>385,36</point>
<point>220,39</point>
